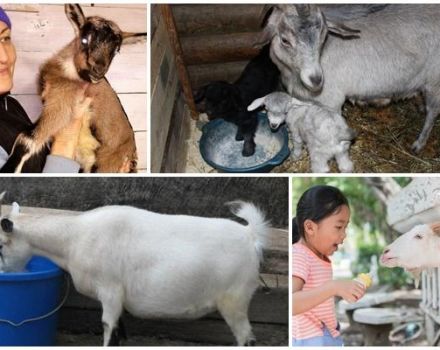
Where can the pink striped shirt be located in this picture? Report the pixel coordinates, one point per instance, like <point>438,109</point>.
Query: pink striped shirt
<point>314,272</point>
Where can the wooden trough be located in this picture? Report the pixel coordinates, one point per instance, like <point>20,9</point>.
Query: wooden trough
<point>38,31</point>
<point>268,311</point>
<point>191,46</point>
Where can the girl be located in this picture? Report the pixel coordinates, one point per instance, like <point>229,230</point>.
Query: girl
<point>14,120</point>
<point>319,228</point>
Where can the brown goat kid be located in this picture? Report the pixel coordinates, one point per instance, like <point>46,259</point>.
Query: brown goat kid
<point>81,65</point>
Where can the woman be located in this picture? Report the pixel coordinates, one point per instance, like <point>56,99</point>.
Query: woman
<point>14,120</point>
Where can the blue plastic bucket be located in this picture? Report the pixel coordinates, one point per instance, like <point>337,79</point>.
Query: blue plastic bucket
<point>26,296</point>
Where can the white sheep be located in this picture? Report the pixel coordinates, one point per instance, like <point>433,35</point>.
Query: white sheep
<point>324,131</point>
<point>415,250</point>
<point>152,265</point>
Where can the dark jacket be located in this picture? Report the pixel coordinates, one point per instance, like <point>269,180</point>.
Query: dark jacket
<point>13,121</point>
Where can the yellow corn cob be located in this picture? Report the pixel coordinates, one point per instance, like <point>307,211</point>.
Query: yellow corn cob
<point>364,278</point>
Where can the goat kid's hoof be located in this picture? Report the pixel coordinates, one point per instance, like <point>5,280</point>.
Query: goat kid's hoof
<point>416,147</point>
<point>248,150</point>
<point>239,137</point>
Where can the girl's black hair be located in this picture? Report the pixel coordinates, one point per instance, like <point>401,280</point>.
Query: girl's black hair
<point>315,204</point>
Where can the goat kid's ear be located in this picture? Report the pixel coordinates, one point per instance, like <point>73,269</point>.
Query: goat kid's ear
<point>199,95</point>
<point>75,16</point>
<point>435,227</point>
<point>342,30</point>
<point>7,225</point>
<point>133,38</point>
<point>256,104</point>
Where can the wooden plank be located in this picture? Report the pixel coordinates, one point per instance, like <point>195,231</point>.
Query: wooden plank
<point>203,74</point>
<point>48,29</point>
<point>163,97</point>
<point>127,74</point>
<point>179,60</point>
<point>177,147</point>
<point>220,18</point>
<point>135,105</point>
<point>141,146</point>
<point>219,48</point>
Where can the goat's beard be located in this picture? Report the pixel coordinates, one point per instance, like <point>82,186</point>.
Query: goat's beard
<point>86,76</point>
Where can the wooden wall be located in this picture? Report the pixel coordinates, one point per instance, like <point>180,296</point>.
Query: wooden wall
<point>41,30</point>
<point>218,40</point>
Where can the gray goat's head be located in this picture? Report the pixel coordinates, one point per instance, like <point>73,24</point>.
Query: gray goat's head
<point>298,33</point>
<point>97,41</point>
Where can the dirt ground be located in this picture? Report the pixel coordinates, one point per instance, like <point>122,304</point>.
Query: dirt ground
<point>385,136</point>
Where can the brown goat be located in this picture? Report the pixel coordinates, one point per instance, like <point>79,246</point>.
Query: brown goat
<point>81,65</point>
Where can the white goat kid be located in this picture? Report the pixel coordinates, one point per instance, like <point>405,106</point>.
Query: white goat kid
<point>324,131</point>
<point>152,265</point>
<point>415,250</point>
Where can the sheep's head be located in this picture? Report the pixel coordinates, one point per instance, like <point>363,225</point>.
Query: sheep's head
<point>415,250</point>
<point>15,252</point>
<point>297,34</point>
<point>97,41</point>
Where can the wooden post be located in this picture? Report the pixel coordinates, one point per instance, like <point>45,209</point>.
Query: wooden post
<point>180,64</point>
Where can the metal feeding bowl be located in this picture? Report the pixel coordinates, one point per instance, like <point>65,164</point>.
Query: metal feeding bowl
<point>220,150</point>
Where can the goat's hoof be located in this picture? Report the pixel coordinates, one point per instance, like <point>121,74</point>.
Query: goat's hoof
<point>416,147</point>
<point>250,342</point>
<point>239,137</point>
<point>248,150</point>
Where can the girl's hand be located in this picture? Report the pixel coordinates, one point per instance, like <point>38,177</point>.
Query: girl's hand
<point>351,291</point>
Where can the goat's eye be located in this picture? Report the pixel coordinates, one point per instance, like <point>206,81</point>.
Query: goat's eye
<point>418,236</point>
<point>285,42</point>
<point>84,41</point>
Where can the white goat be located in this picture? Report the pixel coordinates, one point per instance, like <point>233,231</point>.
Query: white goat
<point>324,131</point>
<point>152,265</point>
<point>415,250</point>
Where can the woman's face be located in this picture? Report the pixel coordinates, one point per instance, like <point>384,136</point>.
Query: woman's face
<point>325,236</point>
<point>7,59</point>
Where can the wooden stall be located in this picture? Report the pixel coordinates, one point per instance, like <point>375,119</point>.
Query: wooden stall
<point>216,43</point>
<point>39,31</point>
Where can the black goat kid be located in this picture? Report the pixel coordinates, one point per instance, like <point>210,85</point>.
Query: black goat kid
<point>230,101</point>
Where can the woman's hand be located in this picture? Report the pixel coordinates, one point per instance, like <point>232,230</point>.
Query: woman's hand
<point>351,291</point>
<point>66,140</point>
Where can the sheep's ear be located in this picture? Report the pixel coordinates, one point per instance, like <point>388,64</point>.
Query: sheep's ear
<point>7,225</point>
<point>133,38</point>
<point>435,227</point>
<point>256,104</point>
<point>75,16</point>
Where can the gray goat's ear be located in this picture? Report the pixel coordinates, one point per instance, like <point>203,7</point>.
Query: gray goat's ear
<point>256,104</point>
<point>75,16</point>
<point>342,30</point>
<point>305,10</point>
<point>270,29</point>
<point>2,195</point>
<point>133,38</point>
<point>7,225</point>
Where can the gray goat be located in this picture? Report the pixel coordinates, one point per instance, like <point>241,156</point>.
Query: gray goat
<point>324,131</point>
<point>393,54</point>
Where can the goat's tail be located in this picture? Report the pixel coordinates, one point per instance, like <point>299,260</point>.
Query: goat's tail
<point>257,225</point>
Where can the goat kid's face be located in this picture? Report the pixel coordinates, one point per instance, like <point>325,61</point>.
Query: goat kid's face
<point>15,252</point>
<point>298,33</point>
<point>417,249</point>
<point>97,40</point>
